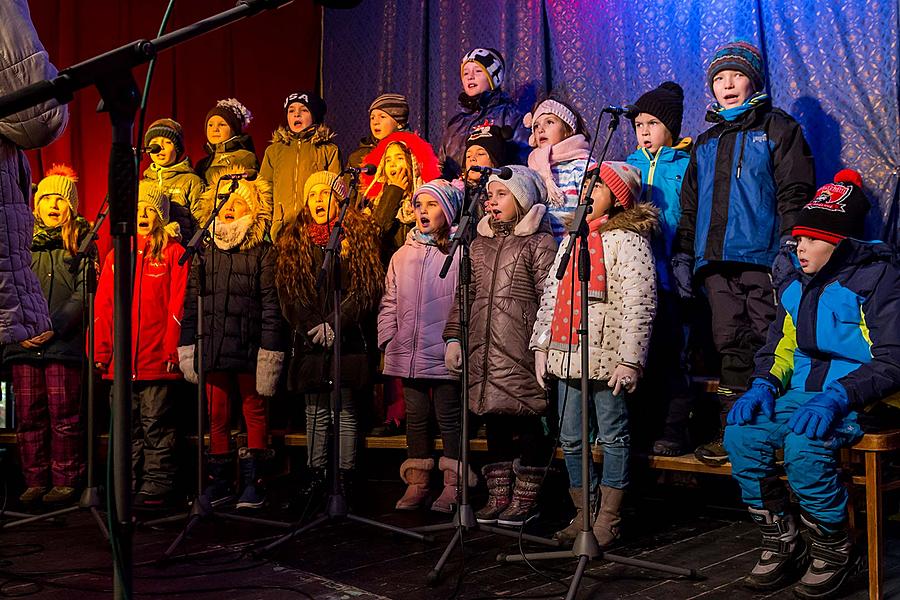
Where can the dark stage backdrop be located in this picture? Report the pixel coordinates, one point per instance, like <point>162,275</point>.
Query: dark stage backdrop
<point>833,64</point>
<point>258,60</point>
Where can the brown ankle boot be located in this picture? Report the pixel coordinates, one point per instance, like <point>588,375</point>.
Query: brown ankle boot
<point>415,473</point>
<point>451,468</point>
<point>606,527</point>
<point>568,533</point>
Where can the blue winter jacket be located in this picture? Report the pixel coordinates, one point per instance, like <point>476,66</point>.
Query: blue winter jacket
<point>662,176</point>
<point>745,184</point>
<point>840,325</point>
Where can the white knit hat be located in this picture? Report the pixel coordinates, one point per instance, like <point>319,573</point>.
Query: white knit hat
<point>525,184</point>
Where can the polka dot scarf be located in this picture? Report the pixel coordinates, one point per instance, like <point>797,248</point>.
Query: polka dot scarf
<point>567,312</point>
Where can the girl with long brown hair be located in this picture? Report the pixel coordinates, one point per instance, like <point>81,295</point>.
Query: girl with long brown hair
<point>310,311</point>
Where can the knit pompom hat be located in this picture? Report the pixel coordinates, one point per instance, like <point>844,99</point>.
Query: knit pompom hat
<point>490,61</point>
<point>738,56</point>
<point>525,184</point>
<point>837,211</point>
<point>169,129</point>
<point>149,192</point>
<point>232,112</point>
<point>59,179</point>
<point>623,180</point>
<point>325,178</point>
<point>448,196</point>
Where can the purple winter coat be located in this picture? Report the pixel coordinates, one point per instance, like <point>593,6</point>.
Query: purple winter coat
<point>414,311</point>
<point>23,61</point>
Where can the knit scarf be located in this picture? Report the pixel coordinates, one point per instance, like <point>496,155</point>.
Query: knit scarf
<point>502,228</point>
<point>541,159</point>
<point>565,319</point>
<point>319,233</point>
<point>736,112</point>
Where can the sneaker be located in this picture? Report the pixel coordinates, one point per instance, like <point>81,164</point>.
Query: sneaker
<point>59,494</point>
<point>667,448</point>
<point>712,453</point>
<point>252,498</point>
<point>32,495</point>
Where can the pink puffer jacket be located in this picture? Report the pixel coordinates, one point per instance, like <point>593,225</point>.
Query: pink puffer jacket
<point>414,310</point>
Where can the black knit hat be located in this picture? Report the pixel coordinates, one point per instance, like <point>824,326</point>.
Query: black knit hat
<point>666,103</point>
<point>837,211</point>
<point>310,100</point>
<point>493,139</point>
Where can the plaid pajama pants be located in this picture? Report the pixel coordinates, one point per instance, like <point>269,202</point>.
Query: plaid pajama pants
<point>48,413</point>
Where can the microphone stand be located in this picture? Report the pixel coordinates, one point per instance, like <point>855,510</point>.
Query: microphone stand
<point>585,547</point>
<point>464,518</point>
<point>337,508</point>
<point>201,507</point>
<point>111,73</point>
<point>90,497</point>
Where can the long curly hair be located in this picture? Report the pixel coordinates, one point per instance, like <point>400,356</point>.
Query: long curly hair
<point>296,267</point>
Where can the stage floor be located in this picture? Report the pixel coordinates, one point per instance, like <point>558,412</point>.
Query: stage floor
<point>343,560</point>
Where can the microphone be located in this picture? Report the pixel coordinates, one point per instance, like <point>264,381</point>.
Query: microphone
<point>629,111</point>
<point>501,172</point>
<point>363,170</point>
<point>152,149</point>
<point>236,176</point>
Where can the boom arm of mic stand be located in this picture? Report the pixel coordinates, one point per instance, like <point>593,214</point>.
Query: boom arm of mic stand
<point>579,219</point>
<point>465,222</point>
<point>193,246</point>
<point>336,231</point>
<point>85,248</point>
<point>124,58</point>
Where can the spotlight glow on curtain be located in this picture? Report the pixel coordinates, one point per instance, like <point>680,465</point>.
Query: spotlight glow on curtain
<point>832,64</point>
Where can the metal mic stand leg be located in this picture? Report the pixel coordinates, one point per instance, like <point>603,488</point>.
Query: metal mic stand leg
<point>464,519</point>
<point>337,507</point>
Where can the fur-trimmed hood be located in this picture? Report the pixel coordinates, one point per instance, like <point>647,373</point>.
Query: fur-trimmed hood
<point>531,223</point>
<point>258,192</point>
<point>317,134</point>
<point>642,218</point>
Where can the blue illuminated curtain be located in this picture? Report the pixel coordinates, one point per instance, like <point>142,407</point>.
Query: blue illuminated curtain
<point>832,64</point>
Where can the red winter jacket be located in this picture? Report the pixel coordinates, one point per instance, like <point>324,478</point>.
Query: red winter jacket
<point>155,313</point>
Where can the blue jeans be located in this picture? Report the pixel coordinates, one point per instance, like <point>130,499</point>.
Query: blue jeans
<point>811,465</point>
<point>609,420</point>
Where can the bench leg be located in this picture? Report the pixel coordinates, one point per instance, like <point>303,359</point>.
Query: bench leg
<point>874,524</point>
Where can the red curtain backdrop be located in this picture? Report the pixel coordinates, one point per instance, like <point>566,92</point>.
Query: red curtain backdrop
<point>257,60</point>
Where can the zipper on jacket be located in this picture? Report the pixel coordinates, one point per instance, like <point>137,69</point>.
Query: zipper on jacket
<point>743,137</point>
<point>487,329</point>
<point>412,358</point>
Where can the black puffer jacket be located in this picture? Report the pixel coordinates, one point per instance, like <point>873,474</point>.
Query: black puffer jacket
<point>241,310</point>
<point>508,273</point>
<point>311,365</point>
<point>64,292</point>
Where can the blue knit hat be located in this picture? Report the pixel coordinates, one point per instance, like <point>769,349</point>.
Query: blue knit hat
<point>448,195</point>
<point>738,56</point>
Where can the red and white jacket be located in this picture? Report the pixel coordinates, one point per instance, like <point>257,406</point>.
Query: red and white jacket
<point>156,311</point>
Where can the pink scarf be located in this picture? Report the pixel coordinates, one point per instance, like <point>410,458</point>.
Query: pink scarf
<point>562,329</point>
<point>541,159</point>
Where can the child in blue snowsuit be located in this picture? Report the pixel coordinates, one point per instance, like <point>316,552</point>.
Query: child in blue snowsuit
<point>833,350</point>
